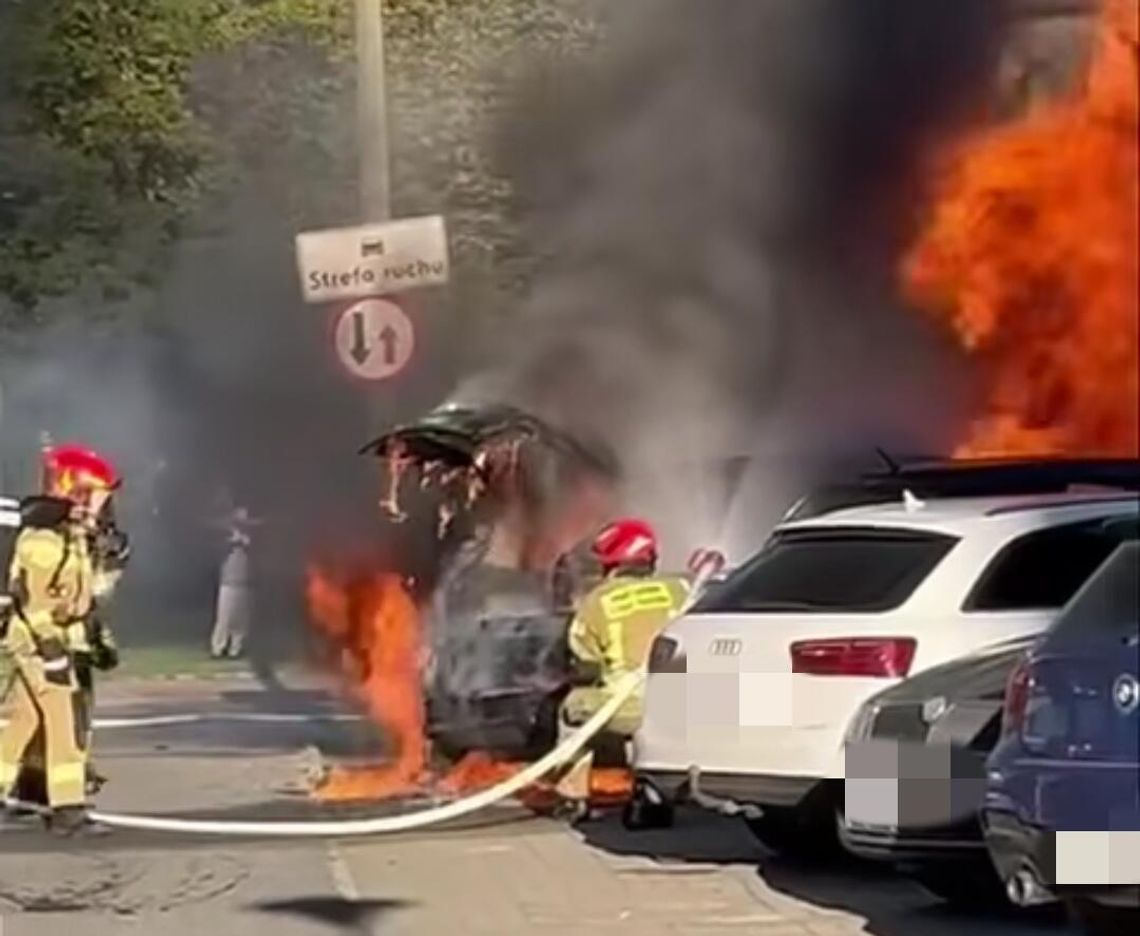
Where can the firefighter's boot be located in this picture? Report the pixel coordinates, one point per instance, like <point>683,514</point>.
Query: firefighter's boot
<point>94,781</point>
<point>74,822</point>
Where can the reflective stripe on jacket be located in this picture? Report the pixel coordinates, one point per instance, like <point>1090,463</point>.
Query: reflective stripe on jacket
<point>617,622</point>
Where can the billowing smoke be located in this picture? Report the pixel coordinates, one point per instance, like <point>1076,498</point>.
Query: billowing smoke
<point>720,204</point>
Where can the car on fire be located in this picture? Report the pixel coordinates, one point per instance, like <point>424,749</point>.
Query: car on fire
<point>1061,811</point>
<point>749,695</point>
<point>509,503</point>
<point>482,485</point>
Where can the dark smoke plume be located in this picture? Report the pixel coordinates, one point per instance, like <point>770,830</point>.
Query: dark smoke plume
<point>718,200</point>
<point>720,203</point>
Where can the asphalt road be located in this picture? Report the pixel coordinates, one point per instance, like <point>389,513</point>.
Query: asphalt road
<point>498,873</point>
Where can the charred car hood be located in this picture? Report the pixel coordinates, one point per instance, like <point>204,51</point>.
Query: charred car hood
<point>455,435</point>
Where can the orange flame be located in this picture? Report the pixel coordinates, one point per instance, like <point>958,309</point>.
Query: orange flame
<point>376,624</point>
<point>1031,257</point>
<point>477,771</point>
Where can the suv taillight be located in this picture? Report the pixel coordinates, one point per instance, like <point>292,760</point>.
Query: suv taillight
<point>1016,698</point>
<point>666,656</point>
<point>882,657</point>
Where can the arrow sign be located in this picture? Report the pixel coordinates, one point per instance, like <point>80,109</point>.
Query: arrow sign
<point>374,339</point>
<point>359,350</point>
<point>389,339</point>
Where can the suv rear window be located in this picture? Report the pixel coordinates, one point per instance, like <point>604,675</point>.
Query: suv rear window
<point>1044,569</point>
<point>1110,601</point>
<point>834,569</point>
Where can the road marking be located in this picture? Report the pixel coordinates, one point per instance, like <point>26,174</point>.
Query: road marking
<point>267,718</point>
<point>341,875</point>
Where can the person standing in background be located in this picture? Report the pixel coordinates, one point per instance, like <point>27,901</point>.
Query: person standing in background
<point>234,606</point>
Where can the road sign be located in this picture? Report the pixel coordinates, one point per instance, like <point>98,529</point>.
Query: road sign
<point>372,260</point>
<point>374,339</point>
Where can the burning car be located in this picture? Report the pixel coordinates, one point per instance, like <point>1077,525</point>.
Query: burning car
<point>507,500</point>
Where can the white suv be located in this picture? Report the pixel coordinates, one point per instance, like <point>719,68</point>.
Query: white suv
<point>749,695</point>
<point>9,527</point>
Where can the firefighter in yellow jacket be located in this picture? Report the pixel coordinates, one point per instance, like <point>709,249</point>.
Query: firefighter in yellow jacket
<point>610,637</point>
<point>51,582</point>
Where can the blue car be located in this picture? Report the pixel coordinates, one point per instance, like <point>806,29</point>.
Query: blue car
<point>1062,805</point>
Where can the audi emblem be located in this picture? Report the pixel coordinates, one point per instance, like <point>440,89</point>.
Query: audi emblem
<point>726,646</point>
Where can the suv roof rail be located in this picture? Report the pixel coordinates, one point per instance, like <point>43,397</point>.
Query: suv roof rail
<point>932,478</point>
<point>1034,503</point>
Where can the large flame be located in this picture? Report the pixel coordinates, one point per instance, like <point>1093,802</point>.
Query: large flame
<point>375,623</point>
<point>1031,257</point>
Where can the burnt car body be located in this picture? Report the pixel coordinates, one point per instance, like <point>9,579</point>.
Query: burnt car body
<point>497,663</point>
<point>915,772</point>
<point>496,686</point>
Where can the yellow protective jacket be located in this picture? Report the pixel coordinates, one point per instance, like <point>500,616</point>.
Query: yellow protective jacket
<point>50,580</point>
<point>615,625</point>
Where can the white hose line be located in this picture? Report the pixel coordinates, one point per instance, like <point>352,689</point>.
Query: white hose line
<point>343,828</point>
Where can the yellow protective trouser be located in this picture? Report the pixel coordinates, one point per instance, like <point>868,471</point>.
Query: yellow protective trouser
<point>47,712</point>
<point>609,746</point>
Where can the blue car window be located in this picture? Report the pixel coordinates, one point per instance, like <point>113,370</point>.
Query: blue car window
<point>1110,601</point>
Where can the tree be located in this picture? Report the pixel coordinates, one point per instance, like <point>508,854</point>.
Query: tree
<point>101,156</point>
<point>119,119</point>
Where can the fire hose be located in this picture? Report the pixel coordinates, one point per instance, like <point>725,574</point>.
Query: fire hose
<point>345,828</point>
<point>354,828</point>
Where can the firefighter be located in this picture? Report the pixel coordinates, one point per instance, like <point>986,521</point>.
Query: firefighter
<point>51,582</point>
<point>92,642</point>
<point>610,637</point>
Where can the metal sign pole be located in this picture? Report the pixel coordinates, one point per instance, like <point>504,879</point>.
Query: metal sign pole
<point>372,130</point>
<point>372,115</point>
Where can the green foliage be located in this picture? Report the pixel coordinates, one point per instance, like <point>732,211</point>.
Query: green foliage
<point>101,157</point>
<point>123,120</point>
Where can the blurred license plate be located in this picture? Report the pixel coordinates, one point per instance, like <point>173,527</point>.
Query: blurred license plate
<point>871,786</point>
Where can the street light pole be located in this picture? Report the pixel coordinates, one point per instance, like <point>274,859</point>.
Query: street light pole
<point>372,112</point>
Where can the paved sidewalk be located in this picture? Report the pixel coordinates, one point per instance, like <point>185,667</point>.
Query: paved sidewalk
<point>706,878</point>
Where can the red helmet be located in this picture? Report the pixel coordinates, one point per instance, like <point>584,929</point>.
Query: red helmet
<point>626,542</point>
<point>71,471</point>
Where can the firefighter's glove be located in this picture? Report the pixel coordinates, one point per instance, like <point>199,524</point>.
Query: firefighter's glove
<point>56,662</point>
<point>104,653</point>
<point>113,548</point>
<point>104,658</point>
<point>585,673</point>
